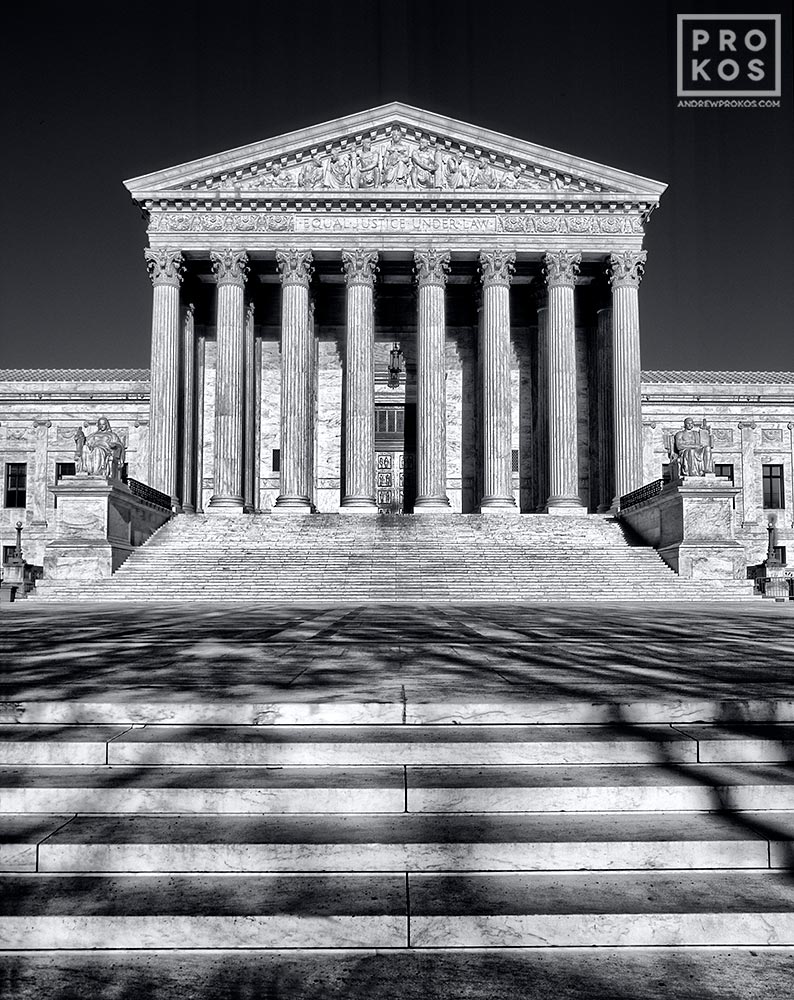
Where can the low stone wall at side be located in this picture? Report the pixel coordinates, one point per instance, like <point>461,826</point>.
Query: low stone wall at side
<point>690,524</point>
<point>99,522</point>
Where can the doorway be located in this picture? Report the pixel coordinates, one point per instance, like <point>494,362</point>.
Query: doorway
<point>395,457</point>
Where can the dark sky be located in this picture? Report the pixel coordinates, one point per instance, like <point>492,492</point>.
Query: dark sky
<point>94,93</point>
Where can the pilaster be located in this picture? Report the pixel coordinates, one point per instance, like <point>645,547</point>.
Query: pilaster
<point>188,410</point>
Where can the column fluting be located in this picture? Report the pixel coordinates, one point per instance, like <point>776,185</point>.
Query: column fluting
<point>431,403</point>
<point>188,410</point>
<point>540,490</point>
<point>625,273</point>
<point>560,268</point>
<point>496,267</point>
<point>249,419</point>
<point>297,346</point>
<point>606,446</point>
<point>231,268</point>
<point>166,266</point>
<point>359,267</point>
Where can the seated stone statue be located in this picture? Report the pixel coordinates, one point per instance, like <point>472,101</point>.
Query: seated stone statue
<point>102,453</point>
<point>690,451</point>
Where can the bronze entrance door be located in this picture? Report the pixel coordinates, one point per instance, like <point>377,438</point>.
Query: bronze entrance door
<point>394,458</point>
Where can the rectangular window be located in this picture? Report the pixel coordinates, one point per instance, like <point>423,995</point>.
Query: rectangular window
<point>514,460</point>
<point>665,472</point>
<point>724,470</point>
<point>276,460</point>
<point>62,469</point>
<point>16,484</point>
<point>773,487</point>
<point>8,552</point>
<point>780,553</point>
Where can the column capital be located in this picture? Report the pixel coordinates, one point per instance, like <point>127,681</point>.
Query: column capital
<point>496,267</point>
<point>360,266</point>
<point>561,267</point>
<point>230,266</point>
<point>165,265</point>
<point>295,266</point>
<point>431,266</point>
<point>626,268</point>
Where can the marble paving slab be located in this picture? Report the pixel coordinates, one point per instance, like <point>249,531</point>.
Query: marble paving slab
<point>186,789</point>
<point>506,974</point>
<point>399,745</point>
<point>419,842</point>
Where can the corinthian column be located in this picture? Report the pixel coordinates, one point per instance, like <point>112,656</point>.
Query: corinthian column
<point>359,267</point>
<point>431,399</point>
<point>560,268</point>
<point>496,267</point>
<point>231,268</point>
<point>625,273</point>
<point>165,269</point>
<point>297,343</point>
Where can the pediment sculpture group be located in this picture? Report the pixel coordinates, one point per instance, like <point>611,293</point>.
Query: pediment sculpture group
<point>400,164</point>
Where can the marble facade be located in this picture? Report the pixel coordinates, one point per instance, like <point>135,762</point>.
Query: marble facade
<point>299,264</point>
<point>286,272</point>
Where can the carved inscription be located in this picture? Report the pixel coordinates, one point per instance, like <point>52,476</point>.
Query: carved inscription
<point>283,222</point>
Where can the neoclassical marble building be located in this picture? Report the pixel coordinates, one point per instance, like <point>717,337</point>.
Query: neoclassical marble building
<point>395,310</point>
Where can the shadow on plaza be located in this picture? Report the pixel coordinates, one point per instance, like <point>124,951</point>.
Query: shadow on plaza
<point>604,655</point>
<point>568,975</point>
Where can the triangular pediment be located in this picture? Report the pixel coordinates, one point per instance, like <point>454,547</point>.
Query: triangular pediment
<point>393,149</point>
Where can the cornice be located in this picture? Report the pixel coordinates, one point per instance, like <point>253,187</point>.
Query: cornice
<point>342,134</point>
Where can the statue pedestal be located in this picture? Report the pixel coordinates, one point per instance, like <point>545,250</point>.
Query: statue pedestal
<point>690,523</point>
<point>98,522</point>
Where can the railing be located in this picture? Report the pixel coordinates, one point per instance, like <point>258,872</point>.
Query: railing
<point>636,497</point>
<point>144,492</point>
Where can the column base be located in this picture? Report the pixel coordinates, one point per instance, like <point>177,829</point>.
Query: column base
<point>225,505</point>
<point>188,508</point>
<point>292,505</point>
<point>498,505</point>
<point>566,507</point>
<point>352,504</point>
<point>432,505</point>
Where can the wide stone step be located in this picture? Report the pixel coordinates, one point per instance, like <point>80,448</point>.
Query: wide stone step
<point>532,910</point>
<point>395,842</point>
<point>399,744</point>
<point>271,790</point>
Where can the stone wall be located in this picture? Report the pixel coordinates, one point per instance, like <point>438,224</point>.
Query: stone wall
<point>40,412</point>
<point>751,416</point>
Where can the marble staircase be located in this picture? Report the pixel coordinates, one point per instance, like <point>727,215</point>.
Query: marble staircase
<point>358,558</point>
<point>413,836</point>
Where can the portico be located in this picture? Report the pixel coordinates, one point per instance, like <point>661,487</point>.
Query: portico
<point>287,273</point>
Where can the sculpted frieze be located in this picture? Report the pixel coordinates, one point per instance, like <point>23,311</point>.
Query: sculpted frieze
<point>393,222</point>
<point>575,225</point>
<point>394,162</point>
<point>221,222</point>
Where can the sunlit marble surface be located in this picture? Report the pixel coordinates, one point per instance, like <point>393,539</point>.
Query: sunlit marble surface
<point>380,664</point>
